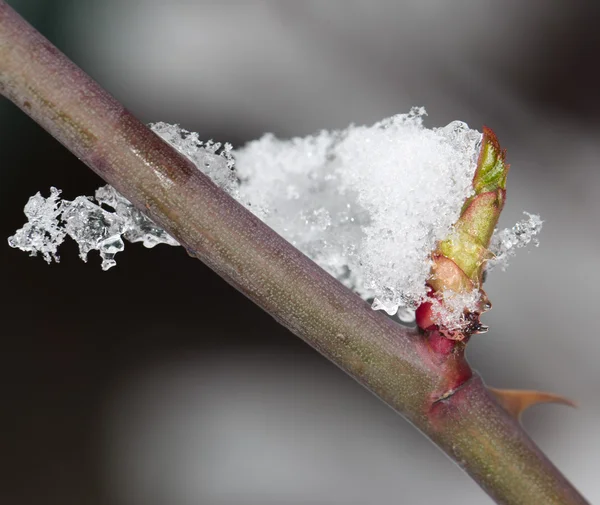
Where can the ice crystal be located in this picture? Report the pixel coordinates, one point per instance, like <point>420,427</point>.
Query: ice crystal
<point>451,309</point>
<point>504,244</point>
<point>88,224</point>
<point>213,158</point>
<point>42,233</point>
<point>136,226</point>
<point>367,203</point>
<point>93,228</point>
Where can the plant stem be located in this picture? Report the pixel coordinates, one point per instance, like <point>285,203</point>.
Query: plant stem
<point>435,390</point>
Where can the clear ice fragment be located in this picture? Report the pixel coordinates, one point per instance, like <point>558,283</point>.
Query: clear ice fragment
<point>504,244</point>
<point>88,224</point>
<point>42,233</point>
<point>93,228</point>
<point>138,228</point>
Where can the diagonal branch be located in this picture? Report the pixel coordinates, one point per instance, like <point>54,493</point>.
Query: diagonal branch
<point>436,391</point>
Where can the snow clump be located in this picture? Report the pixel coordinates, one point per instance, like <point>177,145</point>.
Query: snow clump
<point>367,203</point>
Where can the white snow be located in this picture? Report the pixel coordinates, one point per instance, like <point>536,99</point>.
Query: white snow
<point>367,203</point>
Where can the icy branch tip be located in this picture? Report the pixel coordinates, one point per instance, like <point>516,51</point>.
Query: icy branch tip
<point>456,298</point>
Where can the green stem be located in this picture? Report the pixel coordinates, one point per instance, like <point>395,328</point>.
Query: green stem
<point>436,391</point>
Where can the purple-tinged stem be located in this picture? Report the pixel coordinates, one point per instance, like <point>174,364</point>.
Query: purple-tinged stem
<point>433,389</point>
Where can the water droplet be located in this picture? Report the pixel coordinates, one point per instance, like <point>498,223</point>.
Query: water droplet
<point>406,315</point>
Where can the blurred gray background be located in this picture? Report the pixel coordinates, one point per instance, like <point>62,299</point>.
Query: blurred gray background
<point>157,383</point>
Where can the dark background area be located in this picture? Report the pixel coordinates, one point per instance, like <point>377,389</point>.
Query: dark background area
<point>156,382</point>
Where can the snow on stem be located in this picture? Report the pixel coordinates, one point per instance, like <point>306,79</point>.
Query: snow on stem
<point>437,392</point>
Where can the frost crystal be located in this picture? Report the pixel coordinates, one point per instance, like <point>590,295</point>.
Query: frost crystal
<point>42,233</point>
<point>213,158</point>
<point>505,243</point>
<point>368,204</point>
<point>91,226</point>
<point>452,311</point>
<point>136,226</point>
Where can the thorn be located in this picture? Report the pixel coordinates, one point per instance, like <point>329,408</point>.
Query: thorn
<point>516,401</point>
